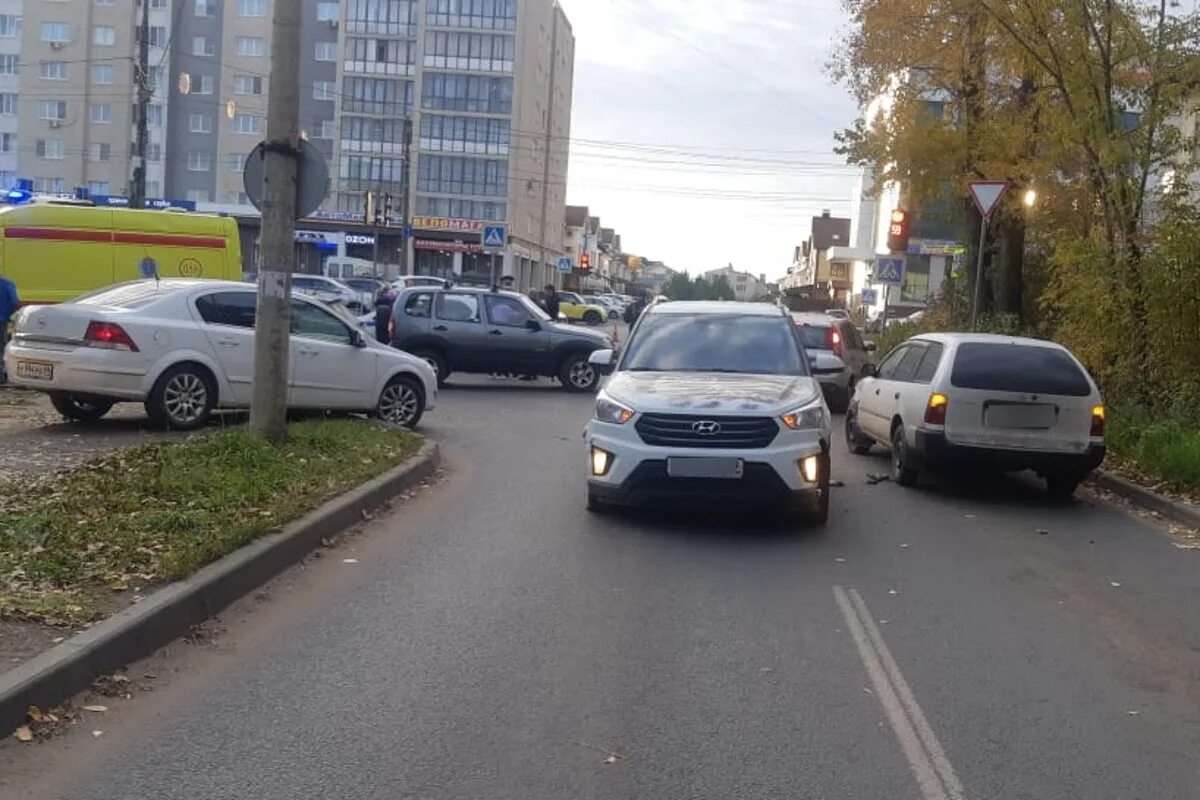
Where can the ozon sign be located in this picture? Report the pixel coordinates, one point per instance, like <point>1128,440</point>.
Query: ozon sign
<point>358,238</point>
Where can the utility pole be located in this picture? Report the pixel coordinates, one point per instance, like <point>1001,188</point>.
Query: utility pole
<point>268,402</point>
<point>405,181</point>
<point>549,124</point>
<point>137,197</point>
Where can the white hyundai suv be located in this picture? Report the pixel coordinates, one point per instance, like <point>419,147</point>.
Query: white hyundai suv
<point>711,403</point>
<point>979,400</point>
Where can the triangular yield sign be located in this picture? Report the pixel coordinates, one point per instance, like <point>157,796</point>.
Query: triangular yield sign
<point>987,194</point>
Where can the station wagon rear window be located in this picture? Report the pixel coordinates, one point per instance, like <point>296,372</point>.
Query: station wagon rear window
<point>1029,369</point>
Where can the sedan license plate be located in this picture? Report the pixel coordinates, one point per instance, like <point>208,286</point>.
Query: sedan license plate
<point>35,370</point>
<point>1020,416</point>
<point>725,468</point>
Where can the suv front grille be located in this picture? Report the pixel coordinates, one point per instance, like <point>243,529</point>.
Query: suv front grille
<point>679,430</point>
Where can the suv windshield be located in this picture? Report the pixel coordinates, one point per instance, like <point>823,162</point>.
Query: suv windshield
<point>752,345</point>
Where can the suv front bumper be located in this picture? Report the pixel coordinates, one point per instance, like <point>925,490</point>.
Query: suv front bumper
<point>771,476</point>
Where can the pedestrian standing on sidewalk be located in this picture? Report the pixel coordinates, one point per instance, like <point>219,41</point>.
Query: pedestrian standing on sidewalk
<point>8,306</point>
<point>552,301</point>
<point>383,312</point>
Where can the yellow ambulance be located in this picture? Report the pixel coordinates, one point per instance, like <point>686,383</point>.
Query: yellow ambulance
<point>54,252</point>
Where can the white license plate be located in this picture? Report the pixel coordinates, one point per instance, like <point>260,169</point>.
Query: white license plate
<point>725,468</point>
<point>35,370</point>
<point>1020,416</point>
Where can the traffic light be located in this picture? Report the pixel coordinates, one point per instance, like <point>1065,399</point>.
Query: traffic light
<point>387,209</point>
<point>897,240</point>
<point>585,261</point>
<point>369,208</point>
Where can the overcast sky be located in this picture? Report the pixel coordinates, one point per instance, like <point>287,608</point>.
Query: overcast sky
<point>735,92</point>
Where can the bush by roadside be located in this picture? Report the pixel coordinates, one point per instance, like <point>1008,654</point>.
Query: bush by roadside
<point>70,542</point>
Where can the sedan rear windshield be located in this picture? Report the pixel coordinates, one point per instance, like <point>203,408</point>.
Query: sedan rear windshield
<point>1018,368</point>
<point>814,337</point>
<point>715,343</point>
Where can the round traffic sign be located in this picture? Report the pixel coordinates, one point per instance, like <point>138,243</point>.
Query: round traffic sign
<point>312,178</point>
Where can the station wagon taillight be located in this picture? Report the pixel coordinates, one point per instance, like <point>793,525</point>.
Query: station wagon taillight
<point>1098,420</point>
<point>835,342</point>
<point>108,335</point>
<point>935,409</point>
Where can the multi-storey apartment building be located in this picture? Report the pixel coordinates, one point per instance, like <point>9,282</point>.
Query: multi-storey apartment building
<point>462,104</point>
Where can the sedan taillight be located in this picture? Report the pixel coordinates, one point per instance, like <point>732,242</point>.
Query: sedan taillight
<point>108,335</point>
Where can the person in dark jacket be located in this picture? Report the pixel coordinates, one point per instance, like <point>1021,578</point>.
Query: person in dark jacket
<point>551,301</point>
<point>634,310</point>
<point>383,312</point>
<point>8,306</point>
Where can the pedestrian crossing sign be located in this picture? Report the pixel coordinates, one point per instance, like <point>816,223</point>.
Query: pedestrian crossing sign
<point>494,237</point>
<point>889,270</point>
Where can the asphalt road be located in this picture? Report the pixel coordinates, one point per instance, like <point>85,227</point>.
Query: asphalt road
<point>492,640</point>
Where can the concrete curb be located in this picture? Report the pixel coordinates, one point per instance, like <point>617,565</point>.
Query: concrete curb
<point>1173,510</point>
<point>169,612</point>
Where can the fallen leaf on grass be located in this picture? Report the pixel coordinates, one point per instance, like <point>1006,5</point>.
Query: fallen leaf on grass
<point>95,709</point>
<point>23,734</point>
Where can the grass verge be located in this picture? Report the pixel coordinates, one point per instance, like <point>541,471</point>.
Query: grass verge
<point>1155,449</point>
<point>73,543</point>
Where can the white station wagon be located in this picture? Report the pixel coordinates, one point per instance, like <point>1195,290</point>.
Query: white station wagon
<point>1003,402</point>
<point>185,347</point>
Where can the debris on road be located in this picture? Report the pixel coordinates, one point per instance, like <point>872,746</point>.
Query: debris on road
<point>349,560</point>
<point>874,478</point>
<point>1115,584</point>
<point>96,709</point>
<point>24,734</point>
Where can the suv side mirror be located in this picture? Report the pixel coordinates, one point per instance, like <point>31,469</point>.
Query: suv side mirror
<point>603,360</point>
<point>870,370</point>
<point>533,324</point>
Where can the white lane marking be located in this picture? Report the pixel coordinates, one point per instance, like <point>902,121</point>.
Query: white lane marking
<point>935,776</point>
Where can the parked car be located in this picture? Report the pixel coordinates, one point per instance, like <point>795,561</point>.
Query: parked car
<point>711,403</point>
<point>368,286</point>
<point>612,309</point>
<point>837,313</point>
<point>331,289</point>
<point>185,348</point>
<point>838,352</point>
<point>409,281</point>
<point>482,331</point>
<point>1003,402</point>
<point>577,309</point>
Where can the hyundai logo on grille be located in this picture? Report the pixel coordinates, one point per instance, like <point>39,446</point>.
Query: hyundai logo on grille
<point>706,427</point>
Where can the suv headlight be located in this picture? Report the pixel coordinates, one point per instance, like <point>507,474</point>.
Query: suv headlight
<point>609,410</point>
<point>813,416</point>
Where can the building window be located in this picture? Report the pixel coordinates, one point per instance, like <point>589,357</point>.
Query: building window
<point>395,54</point>
<point>359,171</point>
<point>10,65</point>
<point>368,133</point>
<point>203,46</point>
<point>236,198</point>
<point>247,123</point>
<point>326,51</point>
<point>324,90</point>
<point>51,149</point>
<point>99,152</point>
<point>154,114</point>
<point>158,36</point>
<point>199,195</point>
<point>153,189</point>
<point>10,26</point>
<point>377,96</point>
<point>53,110</point>
<point>8,105</point>
<point>101,113</point>
<point>105,2</point>
<point>206,8</point>
<point>327,130</point>
<point>252,8</point>
<point>479,52</point>
<point>154,152</point>
<point>57,32</point>
<point>388,17</point>
<point>8,142</point>
<point>103,74</point>
<point>202,84</point>
<point>104,36</point>
<point>200,123</point>
<point>247,84</point>
<point>249,46</point>
<point>472,93</point>
<point>472,135</point>
<point>52,70</point>
<point>50,185</point>
<point>199,162</point>
<point>458,175</point>
<point>237,162</point>
<point>98,188</point>
<point>498,15</point>
<point>456,208</point>
<point>328,12</point>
